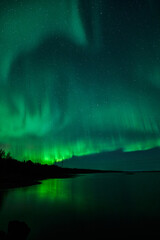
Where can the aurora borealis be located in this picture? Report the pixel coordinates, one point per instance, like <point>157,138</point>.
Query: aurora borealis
<point>79,77</point>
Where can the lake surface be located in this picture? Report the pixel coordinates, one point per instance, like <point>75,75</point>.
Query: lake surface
<point>95,204</point>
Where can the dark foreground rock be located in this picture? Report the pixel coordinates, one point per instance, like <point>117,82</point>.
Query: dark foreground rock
<point>16,230</point>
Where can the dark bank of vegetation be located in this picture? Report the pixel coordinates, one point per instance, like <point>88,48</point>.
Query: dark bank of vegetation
<point>14,173</point>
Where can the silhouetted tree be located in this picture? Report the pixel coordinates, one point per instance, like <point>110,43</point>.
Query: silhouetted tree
<point>8,156</point>
<point>2,153</point>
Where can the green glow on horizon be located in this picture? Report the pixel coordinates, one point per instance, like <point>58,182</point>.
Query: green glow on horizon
<point>59,154</point>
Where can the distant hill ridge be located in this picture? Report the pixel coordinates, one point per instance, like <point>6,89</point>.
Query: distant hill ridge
<point>147,160</point>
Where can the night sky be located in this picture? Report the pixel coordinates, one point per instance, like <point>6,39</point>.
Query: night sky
<point>79,77</point>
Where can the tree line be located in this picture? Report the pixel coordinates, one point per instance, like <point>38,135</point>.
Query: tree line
<point>4,155</point>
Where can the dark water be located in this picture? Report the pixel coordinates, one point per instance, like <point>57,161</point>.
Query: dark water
<point>96,204</point>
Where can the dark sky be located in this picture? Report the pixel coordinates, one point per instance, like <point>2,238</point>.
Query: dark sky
<point>79,77</point>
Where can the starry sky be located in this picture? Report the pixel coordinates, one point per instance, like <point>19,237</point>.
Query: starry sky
<point>79,77</point>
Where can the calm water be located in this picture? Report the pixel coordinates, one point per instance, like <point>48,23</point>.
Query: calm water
<point>96,204</point>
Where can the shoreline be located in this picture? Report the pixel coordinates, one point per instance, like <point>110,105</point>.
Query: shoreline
<point>18,181</point>
<point>15,174</point>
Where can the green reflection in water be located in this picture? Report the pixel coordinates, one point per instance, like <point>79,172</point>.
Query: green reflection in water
<point>59,191</point>
<point>91,201</point>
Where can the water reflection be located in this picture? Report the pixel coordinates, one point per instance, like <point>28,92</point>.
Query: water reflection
<point>2,197</point>
<point>55,190</point>
<point>91,203</point>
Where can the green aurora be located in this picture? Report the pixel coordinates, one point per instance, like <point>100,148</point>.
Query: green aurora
<point>78,77</point>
